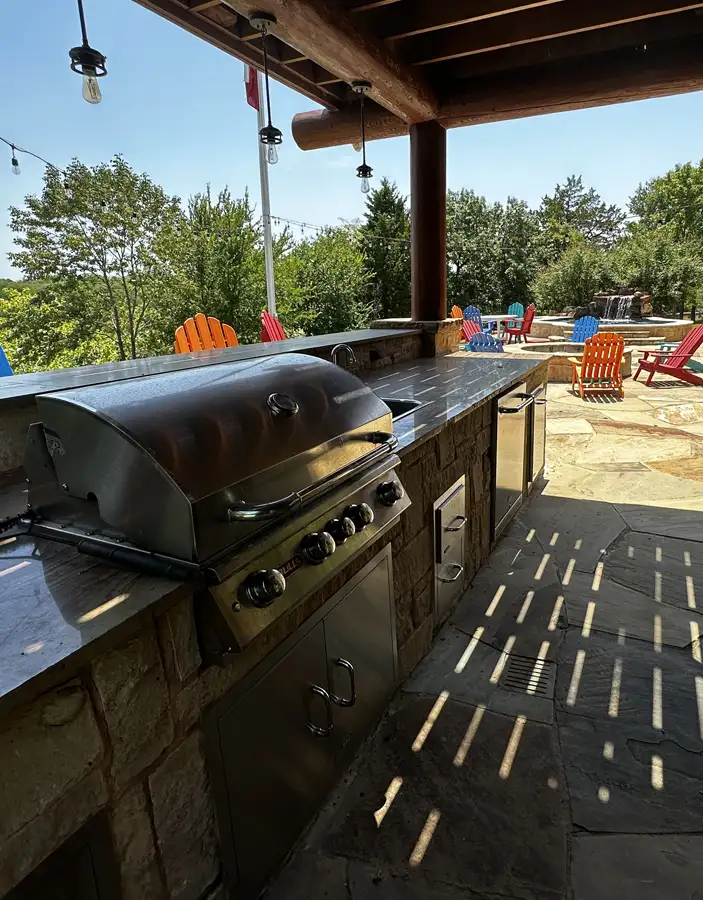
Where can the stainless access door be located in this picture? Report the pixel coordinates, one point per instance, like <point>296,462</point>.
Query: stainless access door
<point>449,546</point>
<point>538,435</point>
<point>278,758</point>
<point>361,654</point>
<point>509,455</point>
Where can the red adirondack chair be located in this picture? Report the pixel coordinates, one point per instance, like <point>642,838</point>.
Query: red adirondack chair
<point>673,362</point>
<point>271,328</point>
<point>523,328</point>
<point>468,329</point>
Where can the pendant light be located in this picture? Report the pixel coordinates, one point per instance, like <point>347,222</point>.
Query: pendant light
<point>363,171</point>
<point>89,63</point>
<point>269,135</point>
<point>15,161</point>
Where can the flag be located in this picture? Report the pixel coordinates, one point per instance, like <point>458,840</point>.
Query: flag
<point>251,80</point>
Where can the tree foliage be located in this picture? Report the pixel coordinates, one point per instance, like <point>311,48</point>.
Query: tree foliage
<point>579,273</point>
<point>385,241</point>
<point>574,211</point>
<point>674,200</point>
<point>101,226</point>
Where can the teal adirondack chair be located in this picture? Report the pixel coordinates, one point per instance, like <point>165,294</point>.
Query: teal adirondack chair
<point>517,310</point>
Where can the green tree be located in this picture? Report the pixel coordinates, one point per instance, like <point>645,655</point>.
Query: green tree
<point>519,251</point>
<point>473,227</point>
<point>100,225</point>
<point>326,284</point>
<point>578,274</point>
<point>49,329</point>
<point>574,211</point>
<point>674,200</point>
<point>385,237</point>
<point>669,269</point>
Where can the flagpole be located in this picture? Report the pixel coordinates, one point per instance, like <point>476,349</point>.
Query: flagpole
<point>265,204</point>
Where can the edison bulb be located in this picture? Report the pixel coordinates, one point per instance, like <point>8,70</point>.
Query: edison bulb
<point>15,166</point>
<point>272,154</point>
<point>365,185</point>
<point>91,88</point>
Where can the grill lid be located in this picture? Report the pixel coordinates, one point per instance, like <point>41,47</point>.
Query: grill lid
<point>167,456</point>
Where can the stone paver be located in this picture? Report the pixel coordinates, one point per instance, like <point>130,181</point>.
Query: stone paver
<point>637,867</point>
<point>550,744</point>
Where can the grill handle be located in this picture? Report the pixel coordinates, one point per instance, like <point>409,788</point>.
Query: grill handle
<point>243,511</point>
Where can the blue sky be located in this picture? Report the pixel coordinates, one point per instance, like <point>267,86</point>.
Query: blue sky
<point>174,107</point>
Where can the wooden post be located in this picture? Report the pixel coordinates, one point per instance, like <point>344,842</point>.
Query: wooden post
<point>428,201</point>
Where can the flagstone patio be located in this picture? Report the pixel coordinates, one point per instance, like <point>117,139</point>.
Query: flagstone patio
<point>550,745</point>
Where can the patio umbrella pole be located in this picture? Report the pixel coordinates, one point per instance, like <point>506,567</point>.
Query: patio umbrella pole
<point>265,205</point>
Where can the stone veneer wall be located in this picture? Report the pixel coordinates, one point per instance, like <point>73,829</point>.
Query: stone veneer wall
<point>124,731</point>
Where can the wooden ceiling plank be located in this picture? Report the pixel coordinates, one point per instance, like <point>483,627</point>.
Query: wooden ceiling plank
<point>540,24</point>
<point>419,17</point>
<point>360,6</point>
<point>200,5</point>
<point>633,35</point>
<point>225,39</point>
<point>323,31</point>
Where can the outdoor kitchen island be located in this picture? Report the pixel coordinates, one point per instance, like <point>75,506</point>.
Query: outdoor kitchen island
<point>107,722</point>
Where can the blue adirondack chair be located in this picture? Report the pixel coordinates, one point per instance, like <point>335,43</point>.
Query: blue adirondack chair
<point>484,343</point>
<point>473,314</point>
<point>584,328</point>
<point>517,310</point>
<point>5,367</point>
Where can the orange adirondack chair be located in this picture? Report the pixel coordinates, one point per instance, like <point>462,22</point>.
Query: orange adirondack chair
<point>456,313</point>
<point>271,328</point>
<point>599,367</point>
<point>204,333</point>
<point>468,329</point>
<point>673,362</point>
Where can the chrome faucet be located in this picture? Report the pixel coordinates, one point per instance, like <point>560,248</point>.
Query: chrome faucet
<point>336,350</point>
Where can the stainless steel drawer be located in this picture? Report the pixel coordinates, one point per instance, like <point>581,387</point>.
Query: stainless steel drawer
<point>450,547</point>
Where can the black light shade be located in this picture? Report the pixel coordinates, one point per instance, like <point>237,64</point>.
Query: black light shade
<point>88,62</point>
<point>269,134</point>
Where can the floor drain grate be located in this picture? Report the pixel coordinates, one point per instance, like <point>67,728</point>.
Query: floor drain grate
<point>525,675</point>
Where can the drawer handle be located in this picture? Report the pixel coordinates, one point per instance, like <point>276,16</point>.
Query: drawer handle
<point>342,701</point>
<point>461,520</point>
<point>508,410</point>
<point>319,730</point>
<point>453,578</point>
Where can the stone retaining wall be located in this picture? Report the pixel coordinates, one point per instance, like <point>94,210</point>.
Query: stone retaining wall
<point>125,735</point>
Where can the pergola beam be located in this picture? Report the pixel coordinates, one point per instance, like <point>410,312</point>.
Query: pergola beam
<point>674,67</point>
<point>338,41</point>
<point>542,24</point>
<point>419,18</point>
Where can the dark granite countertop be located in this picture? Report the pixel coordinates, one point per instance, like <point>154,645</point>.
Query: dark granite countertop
<point>55,602</point>
<point>449,387</point>
<point>21,388</point>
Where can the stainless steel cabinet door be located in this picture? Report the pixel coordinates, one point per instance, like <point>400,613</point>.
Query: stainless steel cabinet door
<point>361,654</point>
<point>539,437</point>
<point>509,455</point>
<point>277,770</point>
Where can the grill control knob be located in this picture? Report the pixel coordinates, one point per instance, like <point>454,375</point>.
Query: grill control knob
<point>340,529</point>
<point>316,547</point>
<point>389,492</point>
<point>361,515</point>
<point>263,587</point>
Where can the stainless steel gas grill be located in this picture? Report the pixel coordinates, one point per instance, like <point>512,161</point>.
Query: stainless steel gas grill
<point>264,477</point>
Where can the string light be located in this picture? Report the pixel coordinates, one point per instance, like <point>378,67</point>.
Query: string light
<point>88,62</point>
<point>15,161</point>
<point>363,172</point>
<point>269,135</point>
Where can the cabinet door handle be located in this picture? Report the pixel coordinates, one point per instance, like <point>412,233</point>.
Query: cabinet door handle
<point>342,701</point>
<point>319,730</point>
<point>460,520</point>
<point>459,572</point>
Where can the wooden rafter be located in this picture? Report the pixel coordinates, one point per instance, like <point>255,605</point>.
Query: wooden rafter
<point>225,37</point>
<point>636,37</point>
<point>322,30</point>
<point>545,23</point>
